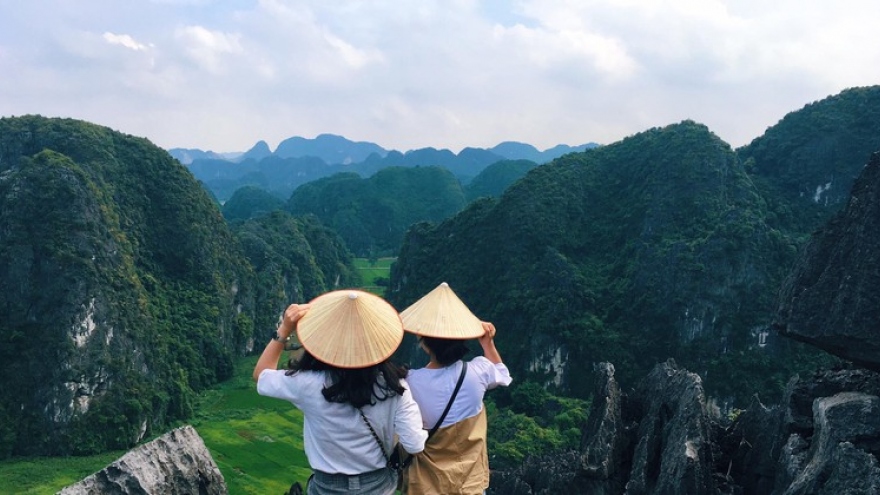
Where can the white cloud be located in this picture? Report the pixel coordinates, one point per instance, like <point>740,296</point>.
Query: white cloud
<point>207,48</point>
<point>124,40</point>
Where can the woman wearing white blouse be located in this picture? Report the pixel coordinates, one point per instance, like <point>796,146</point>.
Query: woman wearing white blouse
<point>353,399</point>
<point>455,459</point>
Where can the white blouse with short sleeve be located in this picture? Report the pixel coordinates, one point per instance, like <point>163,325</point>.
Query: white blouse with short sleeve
<point>432,388</point>
<point>335,437</point>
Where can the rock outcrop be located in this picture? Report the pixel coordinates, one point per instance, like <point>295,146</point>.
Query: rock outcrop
<point>826,428</point>
<point>831,299</point>
<point>658,439</point>
<point>177,463</point>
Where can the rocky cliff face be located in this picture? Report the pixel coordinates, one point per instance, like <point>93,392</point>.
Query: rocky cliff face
<point>177,463</point>
<point>840,273</point>
<point>663,438</point>
<point>656,439</point>
<point>121,289</point>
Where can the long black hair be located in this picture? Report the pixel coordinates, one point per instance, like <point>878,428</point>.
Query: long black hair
<point>356,386</point>
<point>446,351</point>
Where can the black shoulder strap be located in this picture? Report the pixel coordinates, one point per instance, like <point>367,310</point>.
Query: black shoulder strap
<point>464,367</point>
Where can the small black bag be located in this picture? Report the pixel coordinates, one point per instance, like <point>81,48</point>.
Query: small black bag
<point>399,459</point>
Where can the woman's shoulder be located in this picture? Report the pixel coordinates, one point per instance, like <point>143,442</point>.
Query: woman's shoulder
<point>480,362</point>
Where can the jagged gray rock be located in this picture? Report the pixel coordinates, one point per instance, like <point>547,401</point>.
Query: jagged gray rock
<point>673,453</point>
<point>177,463</point>
<point>658,441</point>
<point>751,447</point>
<point>607,438</point>
<point>831,300</point>
<point>851,417</point>
<point>854,471</point>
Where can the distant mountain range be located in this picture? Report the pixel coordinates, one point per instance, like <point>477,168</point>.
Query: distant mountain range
<point>298,160</point>
<point>337,150</point>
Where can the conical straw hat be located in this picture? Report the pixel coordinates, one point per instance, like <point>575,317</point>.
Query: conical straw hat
<point>350,329</point>
<point>440,313</point>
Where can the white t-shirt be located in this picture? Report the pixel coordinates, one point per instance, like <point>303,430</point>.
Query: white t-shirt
<point>432,388</point>
<point>335,437</point>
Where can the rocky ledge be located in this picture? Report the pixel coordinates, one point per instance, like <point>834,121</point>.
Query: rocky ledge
<point>177,463</point>
<point>831,298</point>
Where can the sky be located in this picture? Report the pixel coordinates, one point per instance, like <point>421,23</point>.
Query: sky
<point>221,75</point>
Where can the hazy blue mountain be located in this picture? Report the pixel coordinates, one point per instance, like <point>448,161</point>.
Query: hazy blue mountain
<point>331,148</point>
<point>189,155</point>
<point>257,152</point>
<point>298,160</point>
<point>513,150</point>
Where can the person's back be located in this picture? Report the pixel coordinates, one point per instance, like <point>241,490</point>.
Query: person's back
<point>455,459</point>
<point>353,399</point>
<point>336,437</point>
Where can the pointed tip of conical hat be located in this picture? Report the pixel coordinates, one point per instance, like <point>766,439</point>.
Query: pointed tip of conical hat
<point>350,329</point>
<point>440,313</point>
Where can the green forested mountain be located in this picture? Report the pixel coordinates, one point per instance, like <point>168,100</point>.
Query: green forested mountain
<point>250,202</point>
<point>295,259</point>
<point>495,178</point>
<point>123,292</point>
<point>806,164</point>
<point>373,214</point>
<point>399,196</point>
<point>653,247</point>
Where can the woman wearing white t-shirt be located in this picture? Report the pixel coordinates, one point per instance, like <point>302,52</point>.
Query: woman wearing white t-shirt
<point>353,399</point>
<point>455,459</point>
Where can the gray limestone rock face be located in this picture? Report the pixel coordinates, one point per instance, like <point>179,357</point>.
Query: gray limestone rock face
<point>847,417</point>
<point>673,452</point>
<point>853,471</point>
<point>831,299</point>
<point>606,438</point>
<point>177,463</point>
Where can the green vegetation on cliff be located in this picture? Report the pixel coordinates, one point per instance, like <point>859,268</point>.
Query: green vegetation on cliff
<point>653,247</point>
<point>123,292</point>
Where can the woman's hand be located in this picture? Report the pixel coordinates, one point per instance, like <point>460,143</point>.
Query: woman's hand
<point>272,353</point>
<point>292,314</point>
<point>488,333</point>
<point>488,344</point>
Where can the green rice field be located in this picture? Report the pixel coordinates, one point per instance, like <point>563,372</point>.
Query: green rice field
<point>373,272</point>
